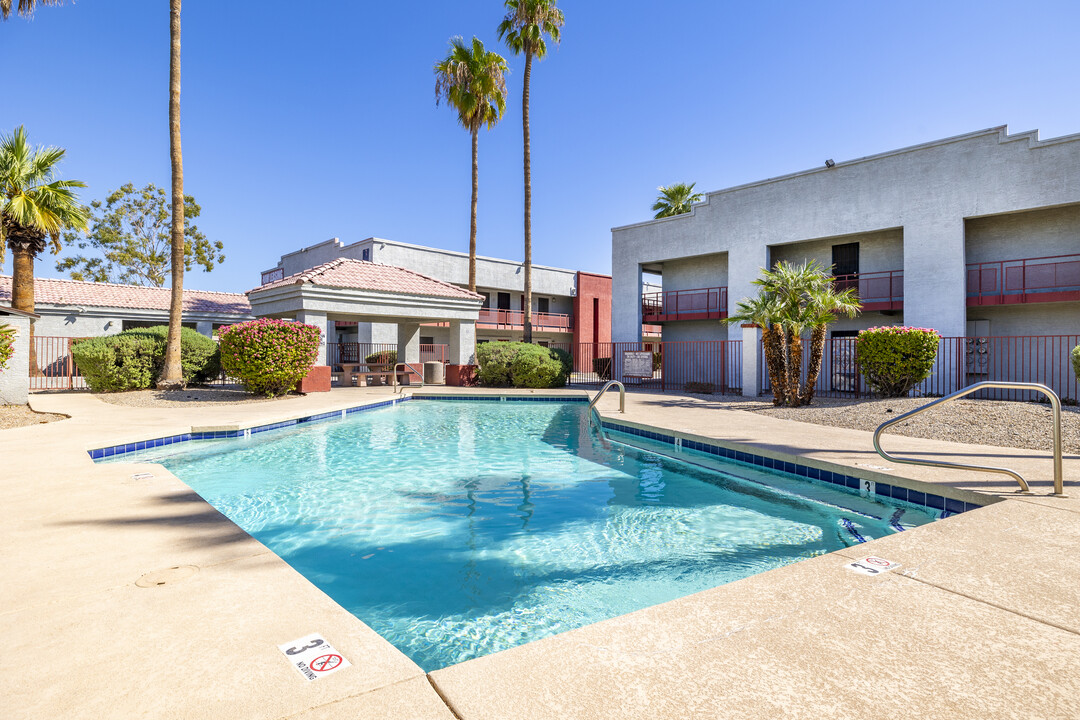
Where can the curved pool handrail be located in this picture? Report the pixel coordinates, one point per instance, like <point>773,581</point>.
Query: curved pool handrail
<point>1055,403</point>
<point>622,395</point>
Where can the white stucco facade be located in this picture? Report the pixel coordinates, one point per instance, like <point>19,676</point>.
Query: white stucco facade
<point>924,213</point>
<point>15,376</point>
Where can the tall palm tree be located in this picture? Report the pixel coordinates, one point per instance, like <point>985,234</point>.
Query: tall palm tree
<point>764,311</point>
<point>172,376</point>
<point>33,206</point>
<point>523,29</point>
<point>675,199</point>
<point>25,7</point>
<point>473,82</point>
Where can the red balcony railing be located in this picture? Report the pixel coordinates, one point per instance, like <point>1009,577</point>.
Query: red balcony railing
<point>876,290</point>
<point>515,320</point>
<point>699,304</point>
<point>1028,280</point>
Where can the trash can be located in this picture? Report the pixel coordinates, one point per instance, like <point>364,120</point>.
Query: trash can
<point>434,373</point>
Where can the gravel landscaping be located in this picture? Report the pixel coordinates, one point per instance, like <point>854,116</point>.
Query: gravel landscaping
<point>978,422</point>
<point>13,416</point>
<point>220,395</point>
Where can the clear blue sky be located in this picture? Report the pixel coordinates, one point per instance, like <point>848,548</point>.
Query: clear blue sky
<point>305,121</point>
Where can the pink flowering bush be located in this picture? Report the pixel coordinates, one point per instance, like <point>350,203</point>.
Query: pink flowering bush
<point>895,359</point>
<point>269,357</point>
<point>7,344</point>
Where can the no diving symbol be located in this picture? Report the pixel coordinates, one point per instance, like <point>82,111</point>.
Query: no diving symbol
<point>877,561</point>
<point>323,663</point>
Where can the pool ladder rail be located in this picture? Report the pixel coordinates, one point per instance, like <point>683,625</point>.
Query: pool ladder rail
<point>1055,403</point>
<point>404,368</point>
<point>622,395</point>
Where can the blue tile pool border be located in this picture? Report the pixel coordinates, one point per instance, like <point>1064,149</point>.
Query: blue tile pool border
<point>124,448</point>
<point>943,505</point>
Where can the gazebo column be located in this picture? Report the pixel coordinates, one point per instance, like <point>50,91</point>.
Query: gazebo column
<point>408,342</point>
<point>462,343</point>
<point>318,319</point>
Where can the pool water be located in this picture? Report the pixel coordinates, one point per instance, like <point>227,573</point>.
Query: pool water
<point>457,529</point>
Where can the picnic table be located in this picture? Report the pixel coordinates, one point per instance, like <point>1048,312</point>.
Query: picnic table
<point>363,374</point>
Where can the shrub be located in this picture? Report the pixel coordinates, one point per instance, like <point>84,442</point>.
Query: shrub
<point>1076,361</point>
<point>602,367</point>
<point>7,344</point>
<point>133,359</point>
<point>895,359</point>
<point>520,364</point>
<point>656,361</point>
<point>269,357</point>
<point>383,357</point>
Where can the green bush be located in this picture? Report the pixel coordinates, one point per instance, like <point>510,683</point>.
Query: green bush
<point>895,359</point>
<point>602,367</point>
<point>517,364</point>
<point>134,359</point>
<point>269,357</point>
<point>1076,361</point>
<point>383,357</point>
<point>7,344</point>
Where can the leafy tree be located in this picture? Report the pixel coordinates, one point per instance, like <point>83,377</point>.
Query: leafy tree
<point>33,206</point>
<point>794,299</point>
<point>675,199</point>
<point>25,7</point>
<point>523,29</point>
<point>473,82</point>
<point>172,377</point>
<point>131,231</point>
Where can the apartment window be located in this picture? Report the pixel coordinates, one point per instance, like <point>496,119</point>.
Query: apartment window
<point>543,305</point>
<point>504,301</point>
<point>366,255</point>
<point>487,300</point>
<point>543,343</point>
<point>427,340</point>
<point>845,259</point>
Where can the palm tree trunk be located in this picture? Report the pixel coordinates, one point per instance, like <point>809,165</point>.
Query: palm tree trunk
<point>22,290</point>
<point>528,199</point>
<point>472,217</point>
<point>172,377</point>
<point>772,340</point>
<point>794,371</point>
<point>817,353</point>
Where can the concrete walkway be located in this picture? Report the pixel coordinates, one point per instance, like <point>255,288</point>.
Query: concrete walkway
<point>981,620</point>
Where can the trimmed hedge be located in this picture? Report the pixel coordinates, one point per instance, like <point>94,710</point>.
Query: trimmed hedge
<point>269,357</point>
<point>518,364</point>
<point>383,357</point>
<point>895,359</point>
<point>1076,361</point>
<point>7,344</point>
<point>134,359</point>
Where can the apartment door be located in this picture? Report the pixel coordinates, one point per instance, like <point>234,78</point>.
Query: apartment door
<point>845,260</point>
<point>504,301</point>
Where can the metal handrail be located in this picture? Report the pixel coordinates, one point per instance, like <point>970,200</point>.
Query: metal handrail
<point>411,369</point>
<point>622,395</point>
<point>1055,403</point>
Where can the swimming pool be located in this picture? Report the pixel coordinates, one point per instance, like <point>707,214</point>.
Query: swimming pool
<point>457,529</point>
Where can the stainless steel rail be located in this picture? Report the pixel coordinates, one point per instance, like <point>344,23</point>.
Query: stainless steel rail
<point>409,368</point>
<point>1055,404</point>
<point>622,395</point>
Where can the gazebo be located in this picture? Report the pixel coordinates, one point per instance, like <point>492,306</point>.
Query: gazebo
<point>355,290</point>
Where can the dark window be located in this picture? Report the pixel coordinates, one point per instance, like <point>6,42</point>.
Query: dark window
<point>845,333</point>
<point>543,343</point>
<point>845,259</point>
<point>504,301</point>
<point>426,340</point>
<point>487,299</point>
<point>366,254</point>
<point>542,305</point>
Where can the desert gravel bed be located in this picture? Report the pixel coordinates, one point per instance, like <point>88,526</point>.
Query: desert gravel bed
<point>976,422</point>
<point>13,416</point>
<point>222,395</point>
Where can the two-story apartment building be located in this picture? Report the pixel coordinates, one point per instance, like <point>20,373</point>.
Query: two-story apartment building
<point>568,306</point>
<point>974,236</point>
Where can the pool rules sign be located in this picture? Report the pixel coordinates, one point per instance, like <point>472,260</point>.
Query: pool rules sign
<point>313,656</point>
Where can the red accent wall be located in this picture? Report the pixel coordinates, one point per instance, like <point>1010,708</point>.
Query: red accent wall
<point>590,286</point>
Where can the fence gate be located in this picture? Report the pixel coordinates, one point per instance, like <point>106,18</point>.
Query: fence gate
<point>51,365</point>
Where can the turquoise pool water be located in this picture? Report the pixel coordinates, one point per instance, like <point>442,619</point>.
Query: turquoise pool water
<point>457,529</point>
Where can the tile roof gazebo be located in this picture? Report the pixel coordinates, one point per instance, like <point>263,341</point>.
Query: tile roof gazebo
<point>355,290</point>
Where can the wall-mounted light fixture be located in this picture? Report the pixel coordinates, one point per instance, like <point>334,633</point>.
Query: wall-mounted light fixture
<point>829,163</point>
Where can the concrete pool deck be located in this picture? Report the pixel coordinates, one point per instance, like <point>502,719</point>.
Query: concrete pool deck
<point>982,619</point>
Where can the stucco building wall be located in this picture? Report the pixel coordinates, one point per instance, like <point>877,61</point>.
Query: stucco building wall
<point>15,377</point>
